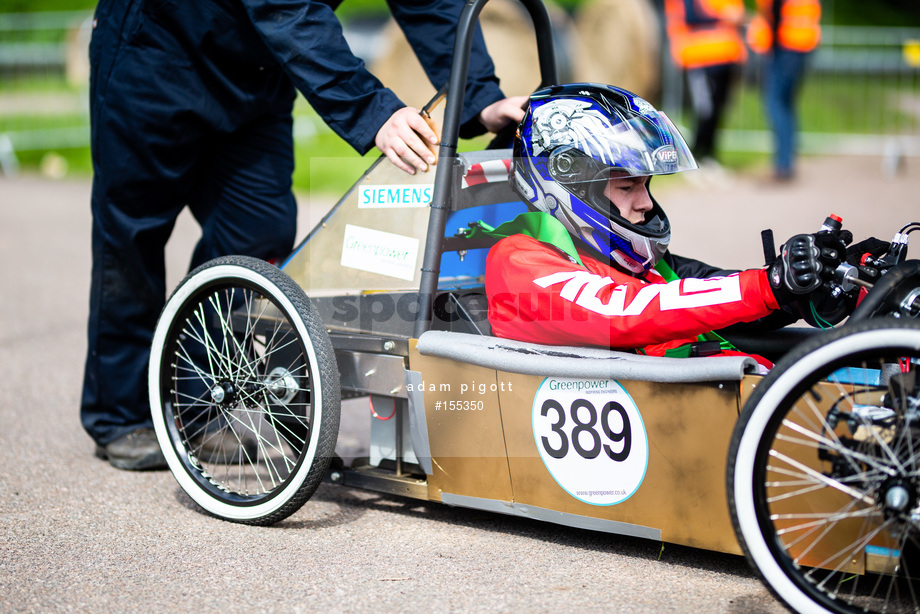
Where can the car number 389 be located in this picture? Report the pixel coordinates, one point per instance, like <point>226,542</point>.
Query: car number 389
<point>591,438</point>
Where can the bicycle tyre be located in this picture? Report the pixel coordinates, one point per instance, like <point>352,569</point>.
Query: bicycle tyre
<point>244,391</point>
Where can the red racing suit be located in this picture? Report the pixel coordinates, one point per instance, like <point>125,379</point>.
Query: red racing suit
<point>537,293</point>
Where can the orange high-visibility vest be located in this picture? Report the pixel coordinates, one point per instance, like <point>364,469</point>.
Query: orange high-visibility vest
<point>799,27</point>
<point>699,45</point>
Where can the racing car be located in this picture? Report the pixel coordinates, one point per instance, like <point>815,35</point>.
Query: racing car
<point>812,472</point>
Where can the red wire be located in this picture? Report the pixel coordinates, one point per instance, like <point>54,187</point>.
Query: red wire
<point>376,415</point>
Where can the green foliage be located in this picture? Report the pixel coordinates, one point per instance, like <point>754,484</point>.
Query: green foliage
<point>839,12</point>
<point>35,6</point>
<point>902,13</point>
<point>833,104</point>
<point>351,9</point>
<point>78,161</point>
<point>325,164</point>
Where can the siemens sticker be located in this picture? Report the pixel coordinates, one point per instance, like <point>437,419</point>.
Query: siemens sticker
<point>380,252</point>
<point>393,196</point>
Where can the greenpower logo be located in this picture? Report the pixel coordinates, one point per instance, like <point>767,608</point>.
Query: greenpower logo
<point>380,252</point>
<point>579,385</point>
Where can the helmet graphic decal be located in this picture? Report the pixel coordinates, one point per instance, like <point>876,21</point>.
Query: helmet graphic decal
<point>642,105</point>
<point>570,122</point>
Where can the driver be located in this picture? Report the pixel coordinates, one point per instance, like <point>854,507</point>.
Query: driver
<point>591,265</point>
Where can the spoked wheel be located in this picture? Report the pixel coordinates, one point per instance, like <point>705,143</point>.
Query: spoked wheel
<point>244,391</point>
<point>824,472</point>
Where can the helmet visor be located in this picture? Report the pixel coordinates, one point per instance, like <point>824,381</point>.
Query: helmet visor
<point>640,146</point>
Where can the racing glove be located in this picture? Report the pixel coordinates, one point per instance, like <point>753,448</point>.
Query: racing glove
<point>804,264</point>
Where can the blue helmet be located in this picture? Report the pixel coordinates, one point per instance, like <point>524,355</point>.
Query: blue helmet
<point>571,140</point>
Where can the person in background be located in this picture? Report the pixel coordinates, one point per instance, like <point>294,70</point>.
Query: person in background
<point>706,42</point>
<point>786,32</point>
<point>191,105</point>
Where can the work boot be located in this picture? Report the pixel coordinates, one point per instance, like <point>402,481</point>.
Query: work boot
<point>134,451</point>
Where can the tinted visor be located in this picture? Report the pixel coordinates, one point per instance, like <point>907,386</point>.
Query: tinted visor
<point>641,146</point>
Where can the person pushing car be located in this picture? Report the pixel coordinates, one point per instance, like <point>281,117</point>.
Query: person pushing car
<point>191,105</point>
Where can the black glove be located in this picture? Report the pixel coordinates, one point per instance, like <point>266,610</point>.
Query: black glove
<point>833,251</point>
<point>804,264</point>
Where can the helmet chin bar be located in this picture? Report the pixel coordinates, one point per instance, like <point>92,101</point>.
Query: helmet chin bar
<point>628,263</point>
<point>643,252</point>
<point>640,246</point>
<point>615,256</point>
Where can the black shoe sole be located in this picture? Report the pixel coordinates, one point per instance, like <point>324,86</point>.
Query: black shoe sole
<point>149,462</point>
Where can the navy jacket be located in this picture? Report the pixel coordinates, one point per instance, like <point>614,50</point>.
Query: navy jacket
<point>254,52</point>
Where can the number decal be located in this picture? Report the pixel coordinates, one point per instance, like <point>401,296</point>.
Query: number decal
<point>623,435</point>
<point>556,428</point>
<point>591,438</point>
<point>585,427</point>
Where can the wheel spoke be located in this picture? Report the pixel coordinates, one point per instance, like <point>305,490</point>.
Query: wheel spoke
<point>821,478</point>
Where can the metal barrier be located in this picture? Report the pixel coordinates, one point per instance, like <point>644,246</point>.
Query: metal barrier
<point>860,95</point>
<point>44,70</point>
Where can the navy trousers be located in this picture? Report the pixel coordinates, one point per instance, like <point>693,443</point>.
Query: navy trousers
<point>163,138</point>
<point>785,70</point>
<point>709,93</point>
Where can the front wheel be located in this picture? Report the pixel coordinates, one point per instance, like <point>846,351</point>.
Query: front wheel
<point>244,391</point>
<point>824,472</point>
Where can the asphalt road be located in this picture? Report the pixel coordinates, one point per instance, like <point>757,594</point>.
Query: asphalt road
<point>78,535</point>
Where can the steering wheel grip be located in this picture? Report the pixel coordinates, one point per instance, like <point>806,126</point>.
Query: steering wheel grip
<point>886,295</point>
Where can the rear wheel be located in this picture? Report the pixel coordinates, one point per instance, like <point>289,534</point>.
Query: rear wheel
<point>244,391</point>
<point>824,472</point>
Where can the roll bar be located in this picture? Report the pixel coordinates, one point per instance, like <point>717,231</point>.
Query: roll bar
<point>446,174</point>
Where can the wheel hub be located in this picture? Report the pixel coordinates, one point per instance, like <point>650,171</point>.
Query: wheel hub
<point>281,384</point>
<point>223,393</point>
<point>898,496</point>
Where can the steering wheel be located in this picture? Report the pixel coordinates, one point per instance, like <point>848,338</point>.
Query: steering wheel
<point>886,297</point>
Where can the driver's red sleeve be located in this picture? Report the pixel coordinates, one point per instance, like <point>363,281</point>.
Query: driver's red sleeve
<point>537,294</point>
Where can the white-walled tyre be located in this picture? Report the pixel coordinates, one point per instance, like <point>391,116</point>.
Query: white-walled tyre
<point>824,472</point>
<point>244,390</point>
